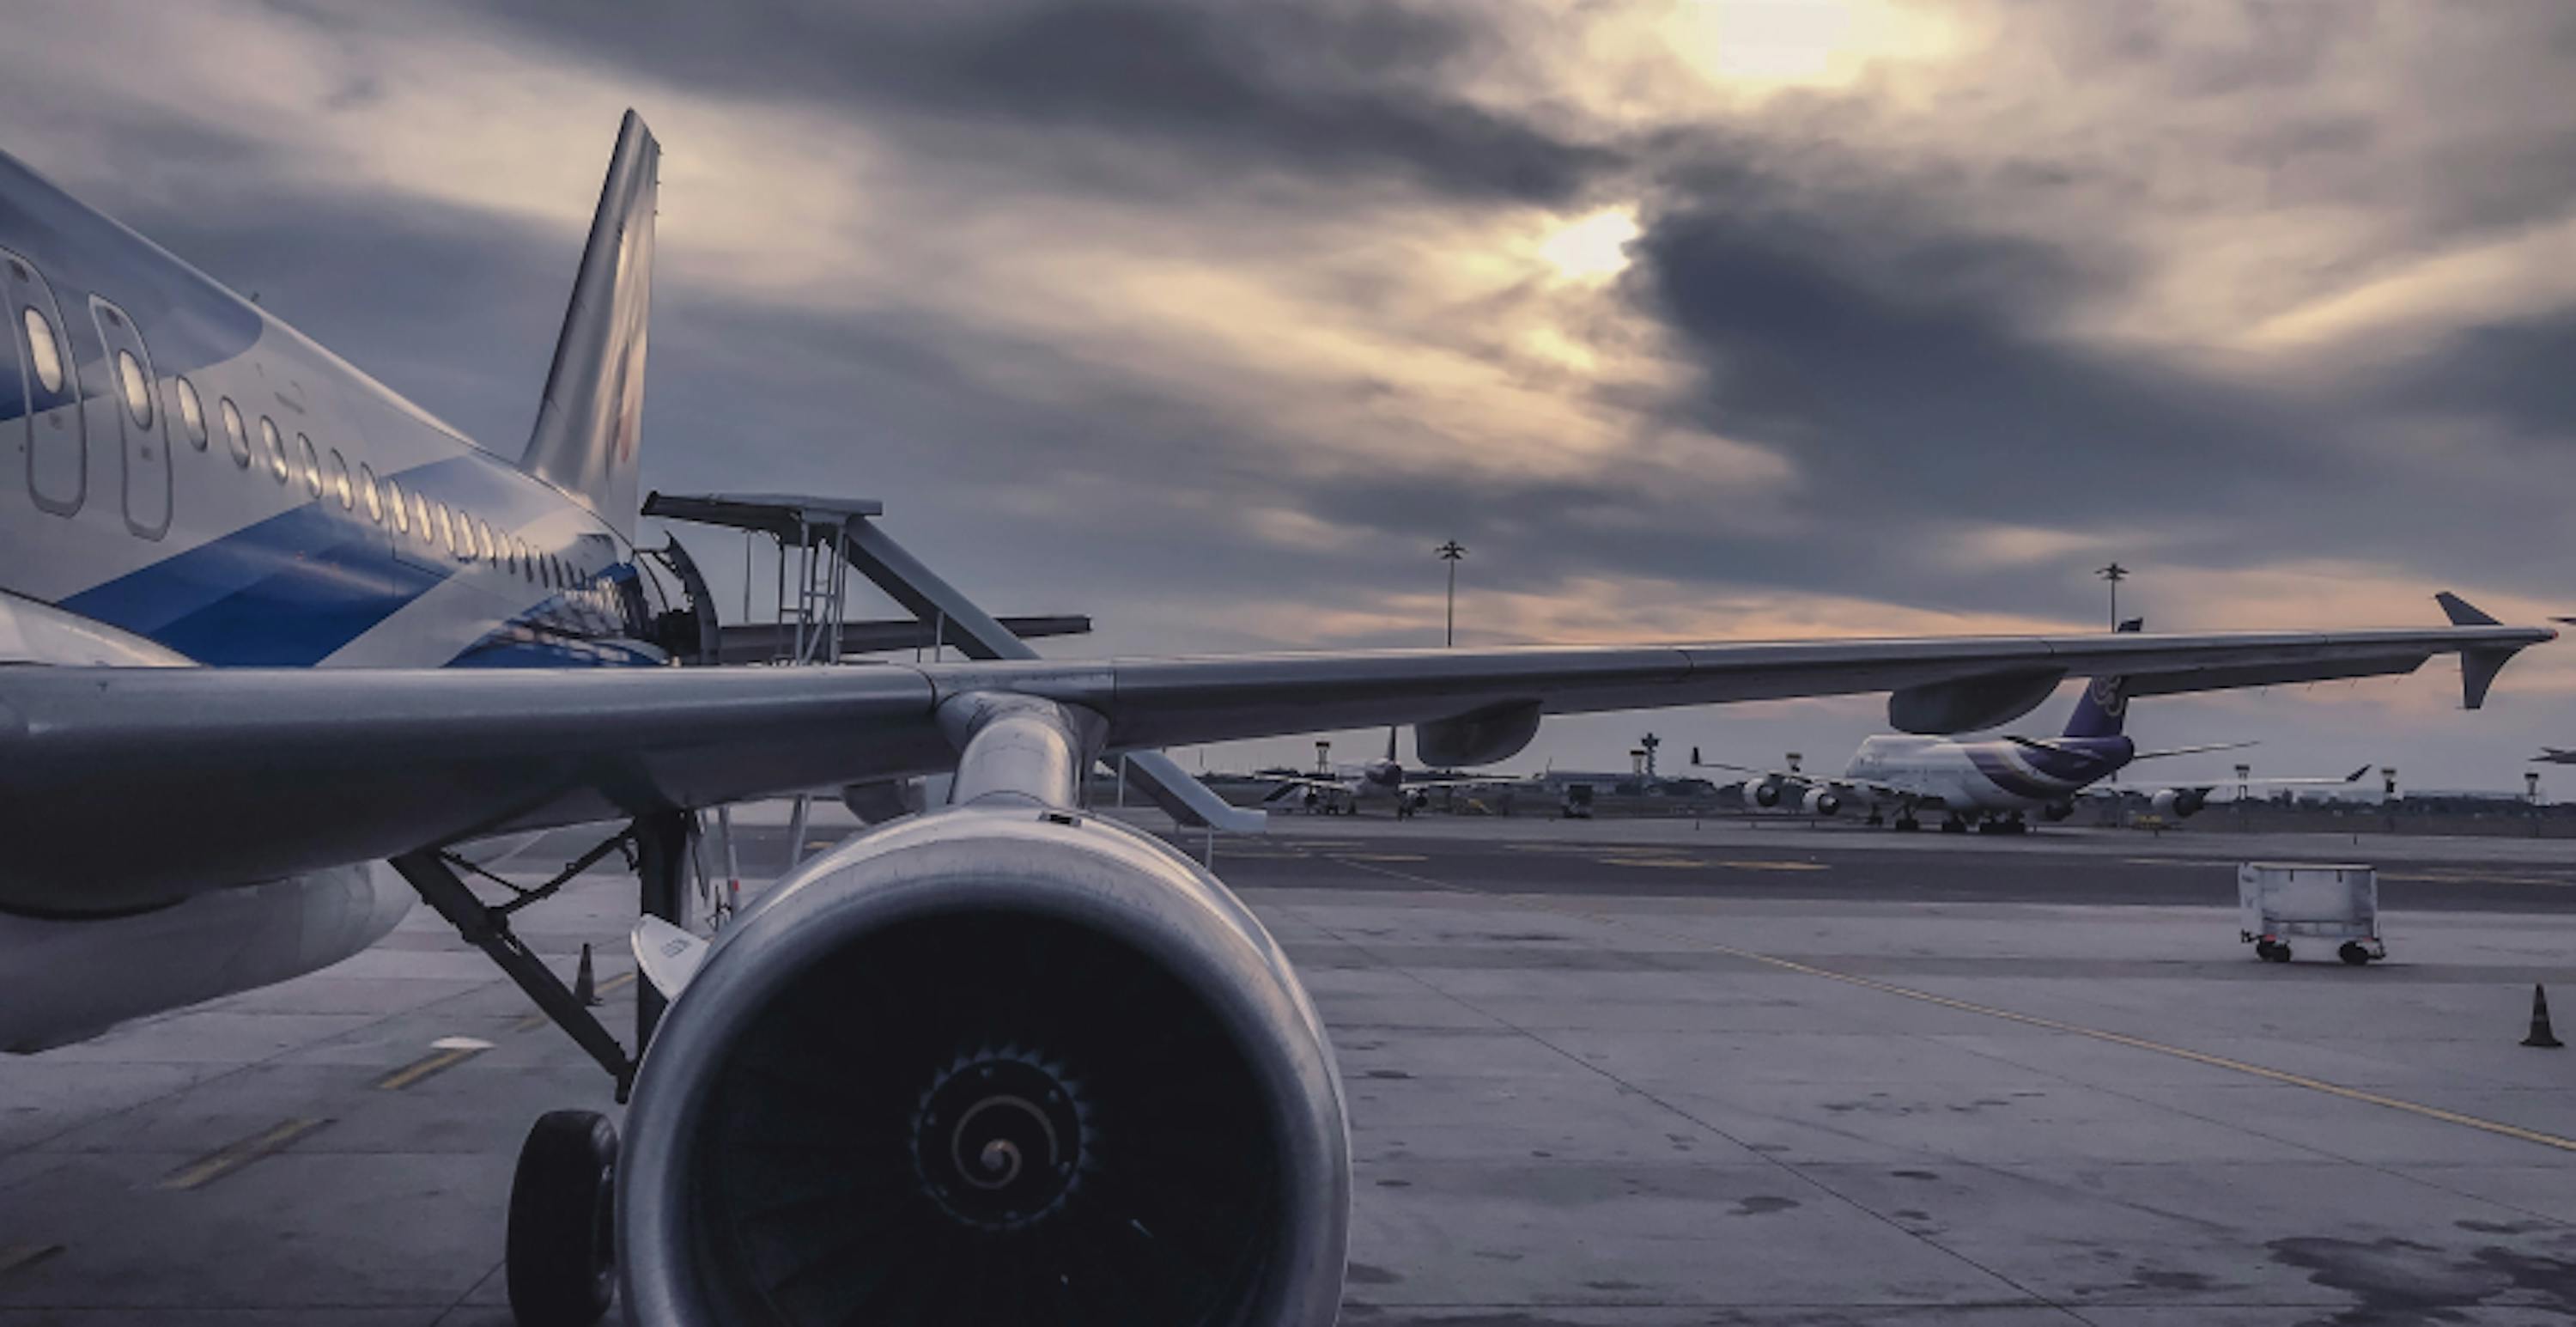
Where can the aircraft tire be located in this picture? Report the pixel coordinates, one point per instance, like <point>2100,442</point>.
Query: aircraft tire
<point>561,1246</point>
<point>2353,953</point>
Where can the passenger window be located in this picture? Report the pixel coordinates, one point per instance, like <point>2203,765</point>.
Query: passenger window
<point>446,528</point>
<point>235,436</point>
<point>367,492</point>
<point>312,464</point>
<point>394,505</point>
<point>192,412</point>
<point>138,393</point>
<point>483,541</point>
<point>274,443</point>
<point>44,349</point>
<point>341,487</point>
<point>420,513</point>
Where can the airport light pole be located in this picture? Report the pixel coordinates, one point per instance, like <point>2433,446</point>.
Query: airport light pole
<point>2115,573</point>
<point>1450,553</point>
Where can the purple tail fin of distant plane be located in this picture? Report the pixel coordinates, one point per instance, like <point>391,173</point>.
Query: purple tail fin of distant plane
<point>2099,711</point>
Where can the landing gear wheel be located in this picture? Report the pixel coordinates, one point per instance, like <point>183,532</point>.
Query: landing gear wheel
<point>561,1244</point>
<point>1908,824</point>
<point>2353,953</point>
<point>1954,825</point>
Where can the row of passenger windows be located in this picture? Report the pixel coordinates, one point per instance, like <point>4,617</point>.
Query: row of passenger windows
<point>412,515</point>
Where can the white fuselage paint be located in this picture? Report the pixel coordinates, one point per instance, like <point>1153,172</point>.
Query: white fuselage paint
<point>128,537</point>
<point>1941,772</point>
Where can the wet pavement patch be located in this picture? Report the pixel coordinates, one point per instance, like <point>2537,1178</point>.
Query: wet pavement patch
<point>2402,1281</point>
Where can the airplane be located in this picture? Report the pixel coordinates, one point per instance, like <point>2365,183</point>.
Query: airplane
<point>281,647</point>
<point>1342,790</point>
<point>2551,755</point>
<point>1993,784</point>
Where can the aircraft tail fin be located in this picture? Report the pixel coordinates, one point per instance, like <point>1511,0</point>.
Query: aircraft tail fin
<point>590,419</point>
<point>2104,706</point>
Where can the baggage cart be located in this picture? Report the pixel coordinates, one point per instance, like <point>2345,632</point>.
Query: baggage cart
<point>2276,901</point>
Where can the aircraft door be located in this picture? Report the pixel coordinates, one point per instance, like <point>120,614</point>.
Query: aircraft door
<point>56,438</point>
<point>132,395</point>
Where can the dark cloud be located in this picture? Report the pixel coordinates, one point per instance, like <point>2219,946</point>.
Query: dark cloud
<point>1333,89</point>
<point>1845,285</point>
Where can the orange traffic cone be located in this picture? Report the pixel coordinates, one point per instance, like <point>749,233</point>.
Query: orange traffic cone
<point>2541,1036</point>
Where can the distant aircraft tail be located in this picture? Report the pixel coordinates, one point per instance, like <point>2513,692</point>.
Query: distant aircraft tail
<point>2104,705</point>
<point>590,419</point>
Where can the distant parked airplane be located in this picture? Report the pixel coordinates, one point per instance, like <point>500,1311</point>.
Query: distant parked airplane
<point>1994,783</point>
<point>1341,790</point>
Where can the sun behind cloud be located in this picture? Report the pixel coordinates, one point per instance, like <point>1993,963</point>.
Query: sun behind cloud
<point>1762,45</point>
<point>1593,247</point>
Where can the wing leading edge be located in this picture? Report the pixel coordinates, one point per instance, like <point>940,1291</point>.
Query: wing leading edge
<point>254,773</point>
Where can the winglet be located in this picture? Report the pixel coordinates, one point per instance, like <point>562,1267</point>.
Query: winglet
<point>2463,613</point>
<point>2478,667</point>
<point>2355,776</point>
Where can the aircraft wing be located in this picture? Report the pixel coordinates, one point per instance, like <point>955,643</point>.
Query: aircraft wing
<point>2192,750</point>
<point>2284,782</point>
<point>1837,782</point>
<point>1306,781</point>
<point>255,773</point>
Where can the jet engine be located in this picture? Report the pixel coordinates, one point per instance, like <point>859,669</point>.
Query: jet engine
<point>988,1065</point>
<point>1823,802</point>
<point>2179,803</point>
<point>1761,792</point>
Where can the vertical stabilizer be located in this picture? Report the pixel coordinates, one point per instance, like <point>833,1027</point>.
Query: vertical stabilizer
<point>2103,707</point>
<point>589,422</point>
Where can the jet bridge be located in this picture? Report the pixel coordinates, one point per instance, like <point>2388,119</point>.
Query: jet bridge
<point>821,540</point>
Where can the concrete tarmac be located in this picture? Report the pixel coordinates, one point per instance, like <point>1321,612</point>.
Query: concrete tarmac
<point>1609,1074</point>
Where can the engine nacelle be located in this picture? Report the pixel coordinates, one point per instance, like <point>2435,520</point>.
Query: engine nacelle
<point>1017,1065</point>
<point>72,978</point>
<point>1822,802</point>
<point>1761,792</point>
<point>2179,803</point>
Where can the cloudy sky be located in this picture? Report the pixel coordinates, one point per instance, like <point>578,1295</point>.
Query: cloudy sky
<point>1692,319</point>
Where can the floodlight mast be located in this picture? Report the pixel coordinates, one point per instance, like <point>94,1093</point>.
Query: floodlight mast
<point>1450,553</point>
<point>2114,573</point>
